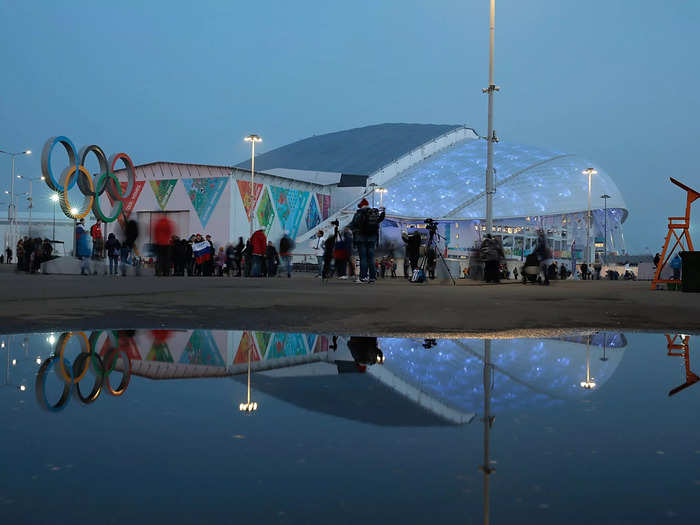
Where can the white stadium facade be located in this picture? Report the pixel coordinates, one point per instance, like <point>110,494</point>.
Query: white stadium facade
<point>415,170</point>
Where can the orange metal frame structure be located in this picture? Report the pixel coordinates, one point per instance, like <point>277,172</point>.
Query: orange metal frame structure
<point>681,342</point>
<point>675,224</point>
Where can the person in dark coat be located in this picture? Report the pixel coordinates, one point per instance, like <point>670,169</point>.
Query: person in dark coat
<point>272,259</point>
<point>113,248</point>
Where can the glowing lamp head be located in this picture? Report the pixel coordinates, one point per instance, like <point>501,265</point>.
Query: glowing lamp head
<point>590,171</point>
<point>54,197</point>
<point>74,211</point>
<point>22,388</point>
<point>253,138</point>
<point>28,152</point>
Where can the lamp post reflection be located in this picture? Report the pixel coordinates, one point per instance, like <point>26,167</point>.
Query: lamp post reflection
<point>605,344</point>
<point>488,422</point>
<point>248,406</point>
<point>588,384</point>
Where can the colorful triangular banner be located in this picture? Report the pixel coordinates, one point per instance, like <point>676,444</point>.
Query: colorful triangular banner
<point>265,212</point>
<point>290,205</point>
<point>286,345</point>
<point>201,349</point>
<point>246,344</point>
<point>313,218</point>
<point>244,190</point>
<point>324,204</point>
<point>204,193</point>
<point>263,338</point>
<point>163,189</point>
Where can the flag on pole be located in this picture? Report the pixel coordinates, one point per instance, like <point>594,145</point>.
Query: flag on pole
<point>202,251</point>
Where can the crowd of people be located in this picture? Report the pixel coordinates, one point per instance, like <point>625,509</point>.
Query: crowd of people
<point>30,253</point>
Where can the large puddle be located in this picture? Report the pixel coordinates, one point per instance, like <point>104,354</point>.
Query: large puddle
<point>199,426</point>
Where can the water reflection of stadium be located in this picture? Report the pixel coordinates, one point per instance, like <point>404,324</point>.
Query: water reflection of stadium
<point>420,382</point>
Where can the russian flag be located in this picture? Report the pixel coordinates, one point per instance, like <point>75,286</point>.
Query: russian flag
<point>202,251</point>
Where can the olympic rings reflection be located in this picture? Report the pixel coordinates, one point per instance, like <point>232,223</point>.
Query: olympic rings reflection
<point>76,172</point>
<point>71,375</point>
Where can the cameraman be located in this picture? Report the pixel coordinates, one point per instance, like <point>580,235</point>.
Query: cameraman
<point>412,241</point>
<point>365,229</point>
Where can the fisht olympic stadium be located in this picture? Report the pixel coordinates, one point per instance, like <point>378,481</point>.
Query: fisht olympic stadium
<point>438,171</point>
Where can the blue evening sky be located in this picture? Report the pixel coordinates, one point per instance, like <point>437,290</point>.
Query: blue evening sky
<point>614,81</point>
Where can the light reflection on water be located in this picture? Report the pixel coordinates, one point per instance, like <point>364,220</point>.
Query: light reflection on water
<point>560,399</point>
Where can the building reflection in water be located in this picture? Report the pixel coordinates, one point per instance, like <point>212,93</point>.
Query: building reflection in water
<point>383,381</point>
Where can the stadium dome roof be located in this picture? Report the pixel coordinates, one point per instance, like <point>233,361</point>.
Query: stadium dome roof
<point>359,151</point>
<point>529,182</point>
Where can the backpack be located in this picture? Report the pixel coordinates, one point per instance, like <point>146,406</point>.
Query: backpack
<point>370,222</point>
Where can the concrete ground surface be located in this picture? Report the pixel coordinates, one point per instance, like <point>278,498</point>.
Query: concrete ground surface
<point>63,302</point>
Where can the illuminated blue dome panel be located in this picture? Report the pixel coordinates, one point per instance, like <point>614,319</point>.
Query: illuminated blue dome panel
<point>529,182</point>
<point>529,373</point>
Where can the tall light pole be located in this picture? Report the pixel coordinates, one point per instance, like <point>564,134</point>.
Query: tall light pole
<point>605,197</point>
<point>31,202</point>
<point>491,136</point>
<point>54,198</point>
<point>11,215</point>
<point>590,172</point>
<point>252,139</point>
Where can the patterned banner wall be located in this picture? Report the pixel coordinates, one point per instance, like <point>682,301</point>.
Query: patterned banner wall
<point>244,190</point>
<point>205,194</point>
<point>286,345</point>
<point>290,205</point>
<point>265,212</point>
<point>324,202</point>
<point>313,218</point>
<point>163,189</point>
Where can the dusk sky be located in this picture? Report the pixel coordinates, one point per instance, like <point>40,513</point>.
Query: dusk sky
<point>613,81</point>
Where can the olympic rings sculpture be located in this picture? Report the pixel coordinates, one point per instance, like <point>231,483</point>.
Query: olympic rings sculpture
<point>72,374</point>
<point>92,189</point>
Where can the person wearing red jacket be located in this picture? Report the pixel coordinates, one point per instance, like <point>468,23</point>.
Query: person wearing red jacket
<point>259,244</point>
<point>162,235</point>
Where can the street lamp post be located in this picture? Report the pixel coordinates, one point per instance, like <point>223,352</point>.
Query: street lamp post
<point>252,138</point>
<point>491,135</point>
<point>381,191</point>
<point>54,198</point>
<point>605,197</point>
<point>31,202</point>
<point>11,209</point>
<point>590,172</point>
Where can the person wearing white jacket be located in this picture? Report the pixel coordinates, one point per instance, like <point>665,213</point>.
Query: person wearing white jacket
<point>317,247</point>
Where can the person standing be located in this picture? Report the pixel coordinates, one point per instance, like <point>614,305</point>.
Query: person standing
<point>238,255</point>
<point>272,259</point>
<point>543,254</point>
<point>82,247</point>
<point>259,246</point>
<point>98,246</point>
<point>113,247</point>
<point>676,264</point>
<point>286,247</point>
<point>163,234</point>
<point>8,253</point>
<point>365,227</point>
<point>317,244</point>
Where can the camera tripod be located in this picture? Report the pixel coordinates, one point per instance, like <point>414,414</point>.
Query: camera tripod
<point>433,238</point>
